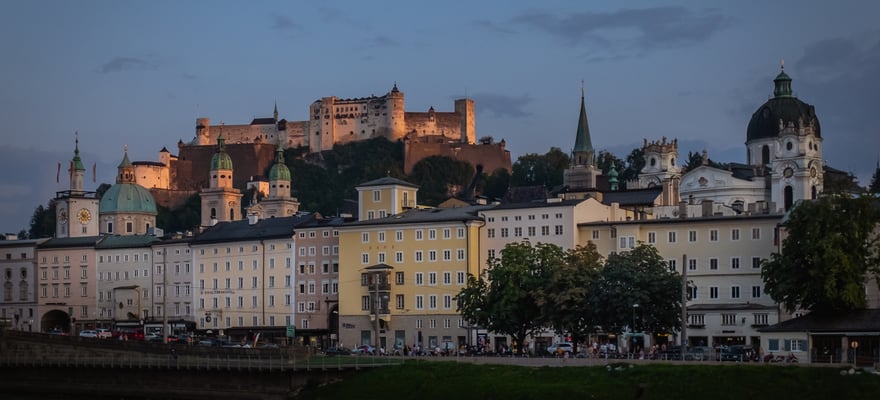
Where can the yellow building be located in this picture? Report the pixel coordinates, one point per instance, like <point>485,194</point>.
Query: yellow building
<point>399,274</point>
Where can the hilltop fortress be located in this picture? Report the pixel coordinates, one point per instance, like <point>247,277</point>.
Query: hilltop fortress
<point>332,121</point>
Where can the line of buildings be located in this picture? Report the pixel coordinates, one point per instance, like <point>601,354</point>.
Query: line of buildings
<point>389,275</point>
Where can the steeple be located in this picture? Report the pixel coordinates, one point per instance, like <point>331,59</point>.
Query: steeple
<point>125,171</point>
<point>275,113</point>
<point>783,82</point>
<point>77,171</point>
<point>583,152</point>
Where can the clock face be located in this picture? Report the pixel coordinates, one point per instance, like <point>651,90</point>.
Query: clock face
<point>788,172</point>
<point>62,216</point>
<point>84,216</point>
<point>813,172</point>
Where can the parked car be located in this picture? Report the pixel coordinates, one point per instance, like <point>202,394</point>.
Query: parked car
<point>88,333</point>
<point>153,337</point>
<point>736,353</point>
<point>337,351</point>
<point>57,331</point>
<point>104,333</point>
<point>208,342</point>
<point>364,349</point>
<point>560,348</point>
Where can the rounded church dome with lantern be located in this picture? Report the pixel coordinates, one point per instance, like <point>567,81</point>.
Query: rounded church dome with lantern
<point>127,208</point>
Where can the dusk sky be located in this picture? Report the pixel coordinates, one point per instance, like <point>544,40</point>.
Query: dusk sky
<point>139,73</point>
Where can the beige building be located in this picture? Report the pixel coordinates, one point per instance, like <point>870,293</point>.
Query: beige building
<point>400,272</point>
<point>172,281</point>
<point>125,293</point>
<point>722,256</point>
<point>18,291</point>
<point>243,271</point>
<point>67,284</point>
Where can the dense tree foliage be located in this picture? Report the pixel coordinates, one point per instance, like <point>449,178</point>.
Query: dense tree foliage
<point>43,221</point>
<point>695,159</point>
<point>830,250</point>
<point>505,299</point>
<point>184,218</point>
<point>875,182</point>
<point>495,186</point>
<point>564,296</point>
<point>437,175</point>
<point>536,169</point>
<point>639,276</point>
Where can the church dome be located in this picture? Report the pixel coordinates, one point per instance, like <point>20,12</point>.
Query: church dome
<point>127,198</point>
<point>279,170</point>
<point>221,159</point>
<point>784,107</point>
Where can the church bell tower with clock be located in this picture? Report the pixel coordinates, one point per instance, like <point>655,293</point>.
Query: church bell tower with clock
<point>76,210</point>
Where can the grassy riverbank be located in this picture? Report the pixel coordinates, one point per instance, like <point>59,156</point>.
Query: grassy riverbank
<point>426,380</point>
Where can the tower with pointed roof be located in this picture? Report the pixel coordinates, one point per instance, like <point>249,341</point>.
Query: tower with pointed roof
<point>661,169</point>
<point>76,210</point>
<point>279,203</point>
<point>583,173</point>
<point>221,201</point>
<point>127,208</point>
<point>784,144</point>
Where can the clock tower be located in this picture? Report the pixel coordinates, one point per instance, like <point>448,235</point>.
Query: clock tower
<point>76,210</point>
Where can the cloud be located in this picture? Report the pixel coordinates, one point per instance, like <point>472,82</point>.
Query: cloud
<point>490,26</point>
<point>119,64</point>
<point>499,105</point>
<point>642,28</point>
<point>384,41</point>
<point>331,15</point>
<point>285,23</point>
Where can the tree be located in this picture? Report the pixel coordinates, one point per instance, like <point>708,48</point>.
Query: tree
<point>639,276</point>
<point>830,248</point>
<point>695,160</point>
<point>496,185</point>
<point>43,221</point>
<point>435,174</point>
<point>564,298</point>
<point>875,181</point>
<point>534,169</point>
<point>184,218</point>
<point>504,300</point>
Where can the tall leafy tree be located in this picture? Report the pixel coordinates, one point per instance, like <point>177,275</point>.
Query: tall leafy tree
<point>43,221</point>
<point>437,174</point>
<point>496,184</point>
<point>505,300</point>
<point>875,181</point>
<point>540,169</point>
<point>639,276</point>
<point>564,297</point>
<point>830,249</point>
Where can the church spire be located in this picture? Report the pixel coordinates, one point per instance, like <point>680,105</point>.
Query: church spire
<point>583,152</point>
<point>125,170</point>
<point>275,113</point>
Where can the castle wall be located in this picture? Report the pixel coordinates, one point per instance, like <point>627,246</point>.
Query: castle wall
<point>447,124</point>
<point>247,159</point>
<point>151,174</point>
<point>492,156</point>
<point>172,199</point>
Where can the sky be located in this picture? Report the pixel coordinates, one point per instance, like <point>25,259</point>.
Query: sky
<point>139,73</point>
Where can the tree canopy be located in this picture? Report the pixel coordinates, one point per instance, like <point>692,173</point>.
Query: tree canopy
<point>540,169</point>
<point>830,250</point>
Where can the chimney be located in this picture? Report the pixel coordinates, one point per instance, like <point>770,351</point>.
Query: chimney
<point>253,219</point>
<point>682,209</point>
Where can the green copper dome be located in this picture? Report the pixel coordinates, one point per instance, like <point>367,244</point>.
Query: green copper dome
<point>76,161</point>
<point>221,160</point>
<point>279,171</point>
<point>127,198</point>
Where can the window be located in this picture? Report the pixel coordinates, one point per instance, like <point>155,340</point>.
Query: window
<point>517,232</point>
<point>398,257</point>
<point>432,278</point>
<point>419,234</point>
<point>595,234</point>
<point>713,235</point>
<point>399,278</point>
<point>490,233</point>
<point>545,230</point>
<point>692,264</point>
<point>432,302</point>
<point>734,234</point>
<point>504,232</point>
<point>420,302</point>
<point>459,255</point>
<point>419,279</point>
<point>531,231</point>
<point>734,292</point>
<point>558,229</point>
<point>795,345</point>
<point>692,236</point>
<point>447,255</point>
<point>734,263</point>
<point>756,292</point>
<point>365,258</point>
<point>773,345</point>
<point>460,277</point>
<point>447,278</point>
<point>670,238</point>
<point>627,242</point>
<point>447,301</point>
<point>432,255</point>
<point>381,237</point>
<point>460,233</point>
<point>365,303</point>
<point>365,237</point>
<point>652,237</point>
<point>381,257</point>
<point>398,236</point>
<point>418,256</point>
<point>447,233</point>
<point>756,233</point>
<point>713,264</point>
<point>399,302</point>
<point>756,262</point>
<point>713,292</point>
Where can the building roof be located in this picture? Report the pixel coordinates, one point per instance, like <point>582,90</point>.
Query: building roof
<point>552,202</point>
<point>729,306</point>
<point>429,215</point>
<point>632,197</point>
<point>128,198</point>
<point>263,121</point>
<point>22,242</point>
<point>582,141</point>
<point>85,241</point>
<point>714,218</point>
<point>853,321</point>
<point>379,267</point>
<point>221,159</point>
<point>128,241</point>
<point>279,170</point>
<point>388,181</point>
<point>243,230</point>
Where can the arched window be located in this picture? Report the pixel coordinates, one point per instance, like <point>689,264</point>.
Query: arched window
<point>109,227</point>
<point>232,214</point>
<point>815,193</point>
<point>213,213</point>
<point>788,195</point>
<point>765,155</point>
<point>129,227</point>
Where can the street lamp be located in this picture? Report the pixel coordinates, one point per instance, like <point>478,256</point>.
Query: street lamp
<point>633,328</point>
